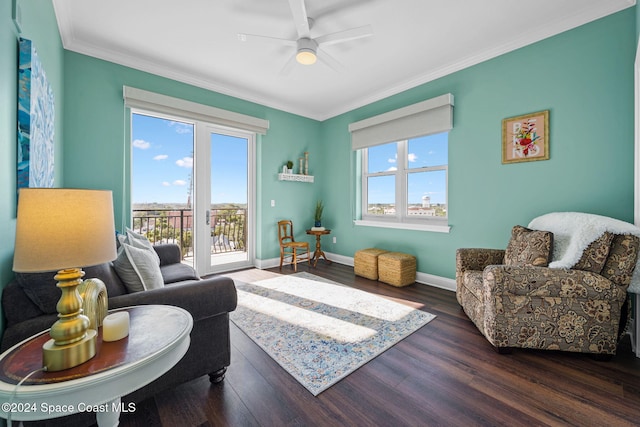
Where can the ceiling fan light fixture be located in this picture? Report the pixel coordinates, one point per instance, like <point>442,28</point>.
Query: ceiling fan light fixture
<point>306,56</point>
<point>307,49</point>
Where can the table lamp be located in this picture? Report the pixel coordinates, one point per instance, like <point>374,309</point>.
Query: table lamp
<point>65,230</point>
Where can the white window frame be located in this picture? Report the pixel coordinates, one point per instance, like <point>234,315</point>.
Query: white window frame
<point>401,219</point>
<point>428,117</point>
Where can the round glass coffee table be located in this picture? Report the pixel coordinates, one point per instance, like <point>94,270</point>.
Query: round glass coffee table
<point>158,338</point>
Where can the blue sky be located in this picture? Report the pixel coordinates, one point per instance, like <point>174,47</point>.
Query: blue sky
<point>424,151</point>
<point>162,163</point>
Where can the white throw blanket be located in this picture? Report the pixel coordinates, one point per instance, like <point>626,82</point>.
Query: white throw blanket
<point>574,231</point>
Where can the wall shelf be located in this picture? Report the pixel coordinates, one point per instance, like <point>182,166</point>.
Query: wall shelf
<point>295,177</point>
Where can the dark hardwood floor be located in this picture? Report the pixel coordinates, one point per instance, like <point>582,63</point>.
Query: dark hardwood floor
<point>445,374</point>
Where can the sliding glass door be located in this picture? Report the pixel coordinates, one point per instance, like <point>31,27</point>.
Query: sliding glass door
<point>193,185</point>
<point>224,195</point>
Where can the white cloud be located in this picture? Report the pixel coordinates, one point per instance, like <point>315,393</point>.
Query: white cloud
<point>141,144</point>
<point>412,157</point>
<point>160,157</point>
<point>185,162</point>
<point>181,127</point>
<point>166,184</point>
<point>180,182</point>
<point>392,168</point>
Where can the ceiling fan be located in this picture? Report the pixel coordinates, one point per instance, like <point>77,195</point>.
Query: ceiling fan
<point>307,49</point>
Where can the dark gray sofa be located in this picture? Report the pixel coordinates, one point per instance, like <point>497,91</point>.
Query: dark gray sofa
<point>28,305</point>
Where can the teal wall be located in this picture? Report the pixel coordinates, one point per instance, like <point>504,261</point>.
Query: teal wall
<point>97,144</point>
<point>584,77</point>
<point>38,25</point>
<point>637,22</point>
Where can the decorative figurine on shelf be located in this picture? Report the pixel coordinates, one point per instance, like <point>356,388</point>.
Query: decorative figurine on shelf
<point>306,163</point>
<point>317,226</point>
<point>301,165</point>
<point>289,167</point>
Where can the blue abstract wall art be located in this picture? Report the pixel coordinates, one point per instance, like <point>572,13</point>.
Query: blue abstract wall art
<point>36,115</point>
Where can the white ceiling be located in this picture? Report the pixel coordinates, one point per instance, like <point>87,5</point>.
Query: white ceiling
<point>413,42</point>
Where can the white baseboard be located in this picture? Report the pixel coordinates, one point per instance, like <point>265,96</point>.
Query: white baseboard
<point>340,259</point>
<point>422,278</point>
<point>263,264</point>
<point>436,281</point>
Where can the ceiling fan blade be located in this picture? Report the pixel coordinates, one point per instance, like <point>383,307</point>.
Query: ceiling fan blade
<point>247,37</point>
<point>346,35</point>
<point>288,66</point>
<point>300,18</point>
<point>331,62</point>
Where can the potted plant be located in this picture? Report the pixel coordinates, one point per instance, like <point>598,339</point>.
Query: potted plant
<point>289,166</point>
<point>318,216</point>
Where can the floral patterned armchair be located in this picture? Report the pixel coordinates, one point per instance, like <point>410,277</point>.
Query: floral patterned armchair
<point>516,300</point>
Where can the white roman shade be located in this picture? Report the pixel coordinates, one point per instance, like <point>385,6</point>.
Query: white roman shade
<point>428,117</point>
<point>138,98</point>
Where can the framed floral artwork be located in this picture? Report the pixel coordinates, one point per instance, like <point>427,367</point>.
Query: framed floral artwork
<point>526,138</point>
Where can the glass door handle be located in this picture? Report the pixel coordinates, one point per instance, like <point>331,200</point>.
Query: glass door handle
<point>208,216</point>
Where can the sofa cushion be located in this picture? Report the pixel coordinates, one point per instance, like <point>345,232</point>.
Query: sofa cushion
<point>169,253</point>
<point>138,268</point>
<point>108,275</point>
<point>177,273</point>
<point>595,255</point>
<point>41,289</point>
<point>202,298</point>
<point>529,247</point>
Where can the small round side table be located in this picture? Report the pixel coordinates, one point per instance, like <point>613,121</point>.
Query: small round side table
<point>319,253</point>
<point>158,338</point>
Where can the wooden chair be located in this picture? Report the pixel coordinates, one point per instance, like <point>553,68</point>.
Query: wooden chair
<point>291,252</point>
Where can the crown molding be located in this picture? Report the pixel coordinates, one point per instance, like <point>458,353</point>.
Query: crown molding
<point>584,17</point>
<point>72,43</point>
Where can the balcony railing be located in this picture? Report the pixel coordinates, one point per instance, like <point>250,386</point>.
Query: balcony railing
<point>228,228</point>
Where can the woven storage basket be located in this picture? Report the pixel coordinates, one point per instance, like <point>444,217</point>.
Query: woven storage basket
<point>365,262</point>
<point>397,268</point>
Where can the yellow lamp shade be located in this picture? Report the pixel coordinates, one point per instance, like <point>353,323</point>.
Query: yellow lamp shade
<point>59,228</point>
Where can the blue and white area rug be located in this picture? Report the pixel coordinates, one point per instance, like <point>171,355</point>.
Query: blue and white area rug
<point>318,330</point>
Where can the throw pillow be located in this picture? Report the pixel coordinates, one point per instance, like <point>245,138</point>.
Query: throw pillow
<point>141,242</point>
<point>138,269</point>
<point>595,255</point>
<point>529,247</point>
<point>41,289</point>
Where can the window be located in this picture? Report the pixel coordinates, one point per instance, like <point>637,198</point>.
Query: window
<point>406,181</point>
<point>403,179</point>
